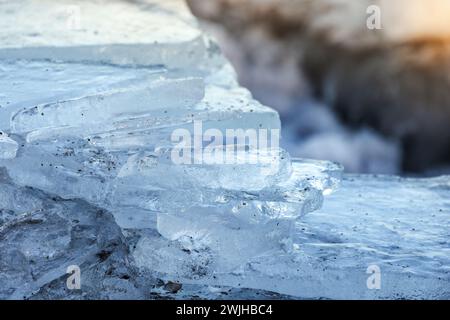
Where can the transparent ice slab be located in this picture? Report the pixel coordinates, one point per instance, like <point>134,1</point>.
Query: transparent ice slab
<point>222,230</point>
<point>272,178</point>
<point>150,183</point>
<point>77,125</point>
<point>37,95</point>
<point>147,33</point>
<point>110,106</point>
<point>397,226</point>
<point>221,109</point>
<point>8,147</point>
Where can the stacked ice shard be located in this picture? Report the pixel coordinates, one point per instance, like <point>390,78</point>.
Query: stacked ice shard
<point>93,93</point>
<point>90,95</point>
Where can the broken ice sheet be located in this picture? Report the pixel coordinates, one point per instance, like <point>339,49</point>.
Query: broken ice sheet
<point>8,147</point>
<point>271,179</point>
<point>233,226</point>
<point>113,105</point>
<point>41,95</point>
<point>405,234</point>
<point>221,109</point>
<point>269,192</point>
<point>70,154</point>
<point>41,235</point>
<point>263,169</point>
<point>84,31</point>
<point>26,84</point>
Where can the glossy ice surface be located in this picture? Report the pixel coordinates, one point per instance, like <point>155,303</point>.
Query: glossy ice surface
<point>399,227</point>
<point>88,177</point>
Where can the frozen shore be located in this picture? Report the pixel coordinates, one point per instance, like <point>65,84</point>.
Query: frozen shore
<point>88,181</point>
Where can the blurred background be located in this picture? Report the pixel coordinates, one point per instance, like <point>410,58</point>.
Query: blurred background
<point>366,86</point>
